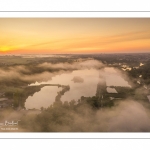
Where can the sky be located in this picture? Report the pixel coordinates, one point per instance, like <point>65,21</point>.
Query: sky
<point>74,35</point>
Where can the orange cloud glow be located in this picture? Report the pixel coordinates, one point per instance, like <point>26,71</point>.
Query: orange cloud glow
<point>74,35</point>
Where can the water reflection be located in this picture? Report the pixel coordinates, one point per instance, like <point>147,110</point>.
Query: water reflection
<point>90,78</point>
<point>43,98</point>
<point>114,78</point>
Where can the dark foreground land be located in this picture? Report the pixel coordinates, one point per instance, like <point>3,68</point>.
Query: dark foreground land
<point>17,72</point>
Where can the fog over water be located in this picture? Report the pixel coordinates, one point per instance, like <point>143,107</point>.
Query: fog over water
<point>69,81</point>
<point>87,88</point>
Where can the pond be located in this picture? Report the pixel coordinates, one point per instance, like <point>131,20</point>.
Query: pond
<point>81,83</point>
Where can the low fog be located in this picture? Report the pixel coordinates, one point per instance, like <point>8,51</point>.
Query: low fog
<point>77,79</point>
<point>44,71</point>
<point>125,116</point>
<point>86,64</point>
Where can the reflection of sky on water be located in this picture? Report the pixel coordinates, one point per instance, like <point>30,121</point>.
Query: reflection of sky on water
<point>43,98</point>
<point>113,78</point>
<point>47,95</point>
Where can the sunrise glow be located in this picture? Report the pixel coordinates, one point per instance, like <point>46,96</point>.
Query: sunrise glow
<point>74,35</point>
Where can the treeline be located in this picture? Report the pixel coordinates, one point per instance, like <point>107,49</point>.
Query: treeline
<point>18,96</point>
<point>142,70</point>
<point>65,117</point>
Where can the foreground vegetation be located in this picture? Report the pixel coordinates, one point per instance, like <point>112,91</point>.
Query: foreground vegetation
<point>17,73</point>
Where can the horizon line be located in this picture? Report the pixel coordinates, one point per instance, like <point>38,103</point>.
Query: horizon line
<point>75,53</point>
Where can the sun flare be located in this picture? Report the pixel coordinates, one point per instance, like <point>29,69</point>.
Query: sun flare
<point>5,48</point>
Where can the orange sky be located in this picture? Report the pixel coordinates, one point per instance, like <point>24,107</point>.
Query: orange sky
<point>74,35</point>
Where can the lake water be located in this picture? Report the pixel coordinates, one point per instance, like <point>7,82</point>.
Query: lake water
<point>88,86</point>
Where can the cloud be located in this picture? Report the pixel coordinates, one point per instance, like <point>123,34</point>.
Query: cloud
<point>44,71</point>
<point>101,42</point>
<point>130,116</point>
<point>82,64</point>
<point>77,79</point>
<point>125,116</point>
